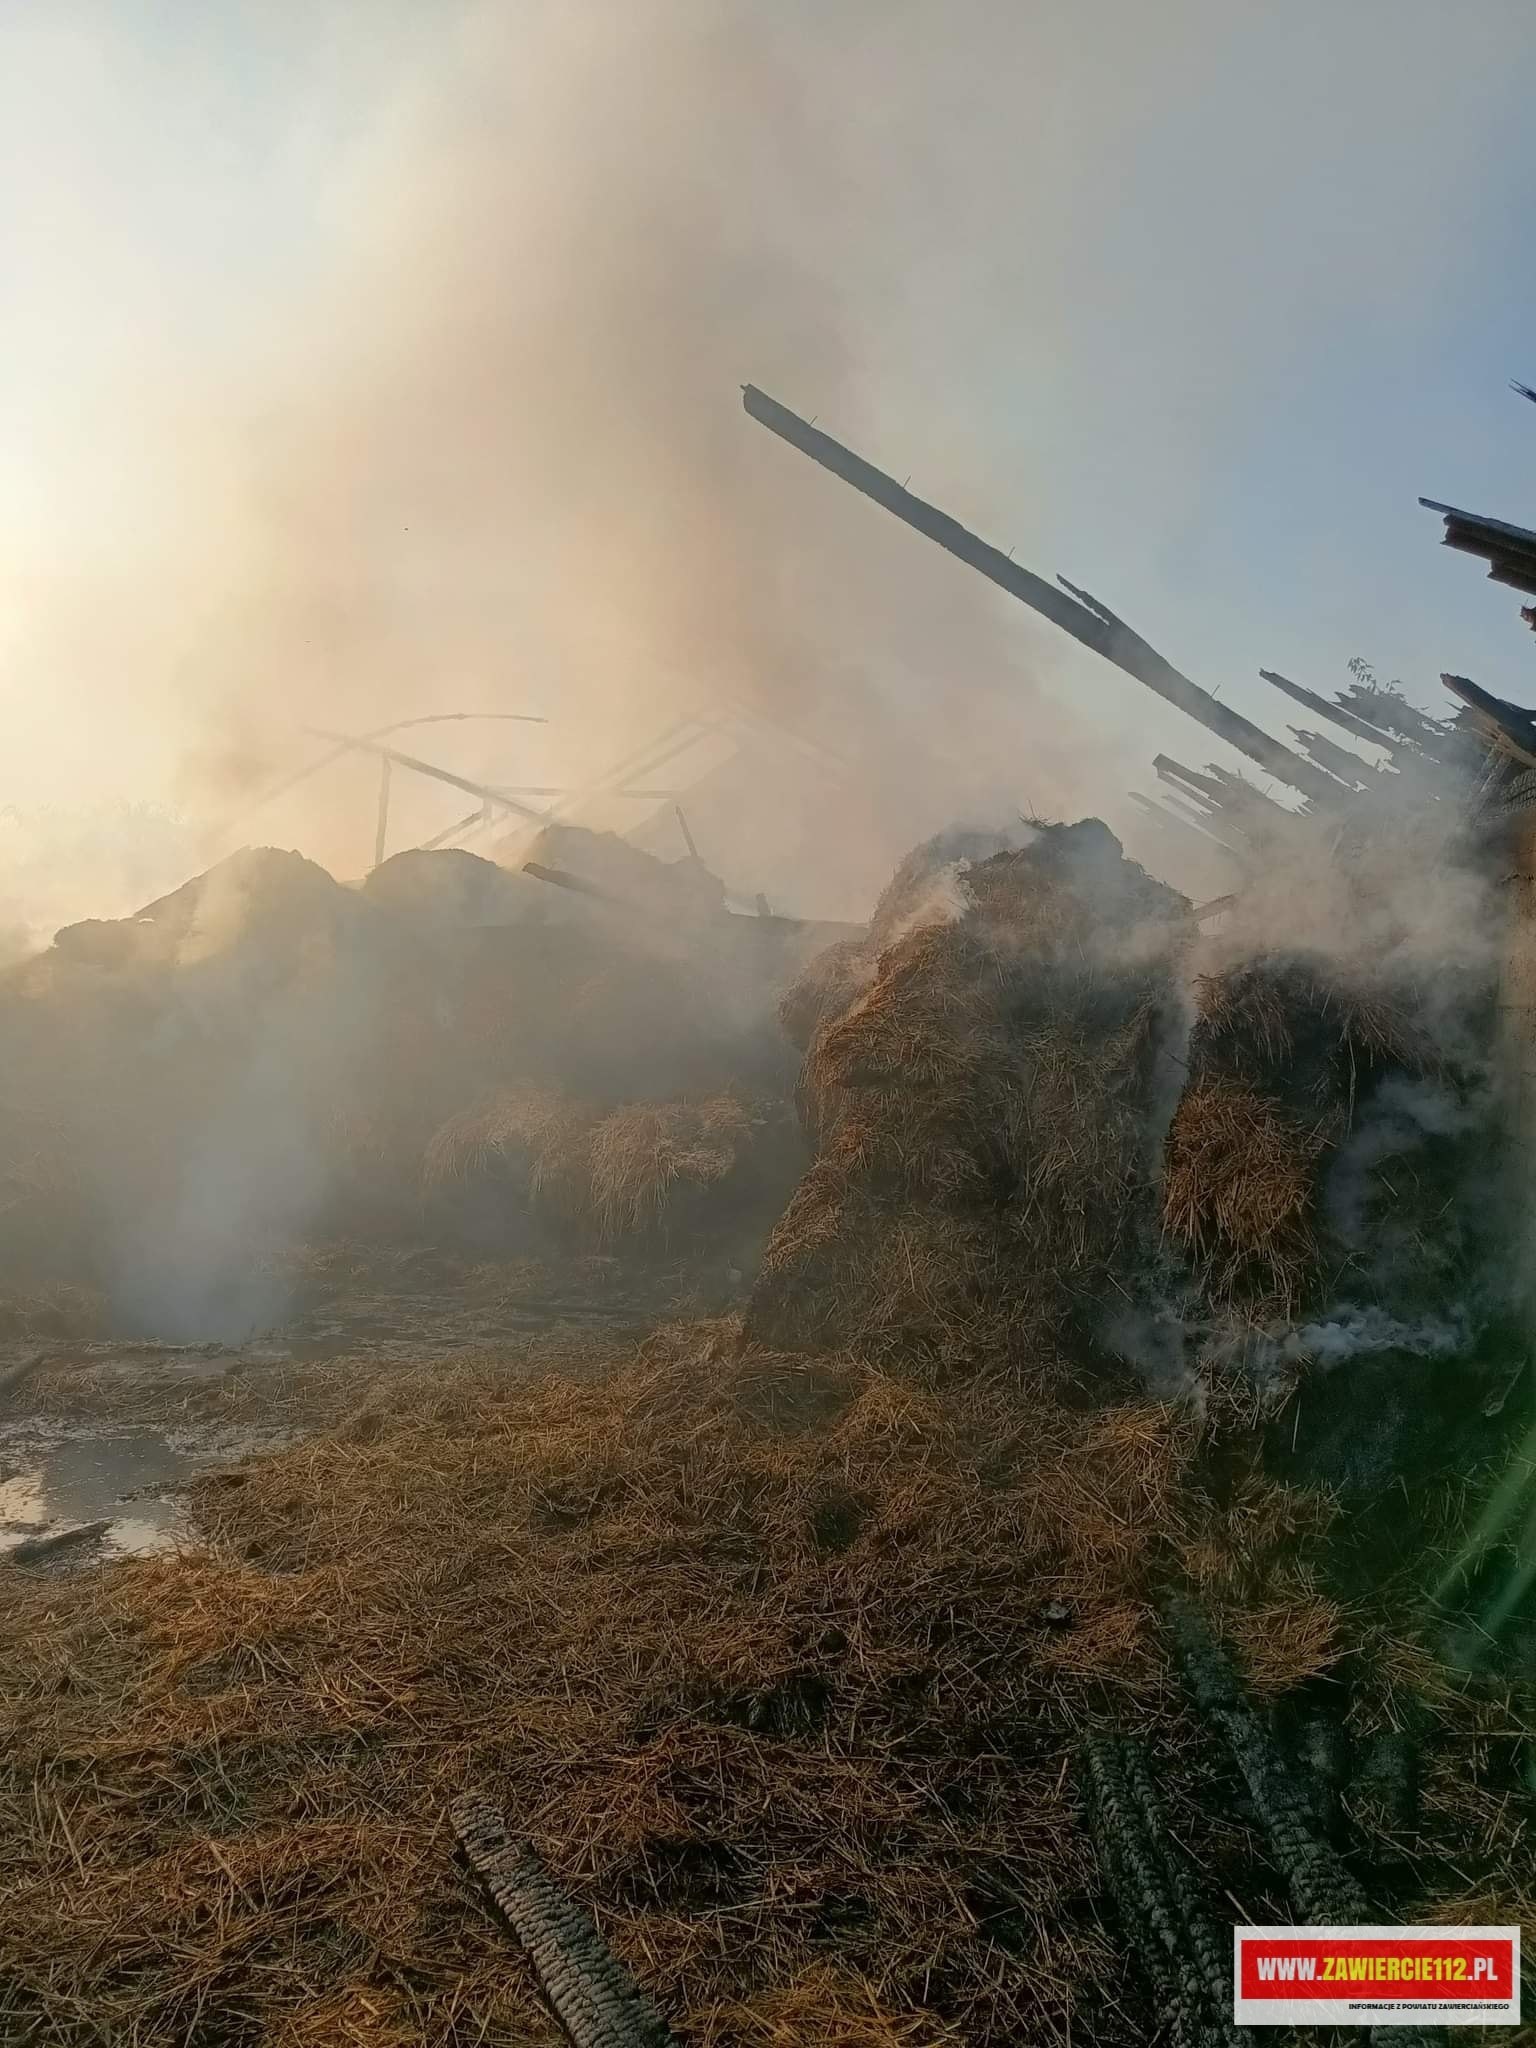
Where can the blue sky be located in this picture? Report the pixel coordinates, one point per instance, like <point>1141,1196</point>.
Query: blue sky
<point>1190,303</point>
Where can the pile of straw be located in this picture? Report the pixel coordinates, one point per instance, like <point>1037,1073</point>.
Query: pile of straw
<point>658,1166</point>
<point>645,1172</point>
<point>983,1101</point>
<point>824,988</point>
<point>781,1667</point>
<point>663,889</point>
<point>1288,1060</point>
<point>1240,1193</point>
<point>784,1667</point>
<point>351,1031</point>
<point>509,1133</point>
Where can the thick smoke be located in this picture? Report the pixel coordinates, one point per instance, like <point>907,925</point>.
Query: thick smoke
<point>1402,1114</point>
<point>368,360</point>
<point>59,862</point>
<point>497,459</point>
<point>457,424</point>
<point>485,450</point>
<point>1397,894</point>
<point>493,457</point>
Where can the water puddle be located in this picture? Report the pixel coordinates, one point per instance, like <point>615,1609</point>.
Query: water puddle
<point>73,1492</point>
<point>62,1479</point>
<point>100,1438</point>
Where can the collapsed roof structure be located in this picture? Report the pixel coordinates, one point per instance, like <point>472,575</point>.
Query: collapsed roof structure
<point>1325,776</point>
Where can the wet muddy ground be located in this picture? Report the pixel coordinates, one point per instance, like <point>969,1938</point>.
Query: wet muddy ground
<point>100,1437</point>
<point>97,1440</point>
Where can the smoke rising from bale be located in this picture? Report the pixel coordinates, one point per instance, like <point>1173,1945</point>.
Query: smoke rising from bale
<point>492,451</point>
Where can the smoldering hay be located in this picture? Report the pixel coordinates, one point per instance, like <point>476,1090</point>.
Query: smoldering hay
<point>983,1110</point>
<point>1047,1113</point>
<point>266,1060</point>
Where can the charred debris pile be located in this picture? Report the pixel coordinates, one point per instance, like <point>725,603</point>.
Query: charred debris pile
<point>1320,1081</point>
<point>940,1689</point>
<point>504,1062</point>
<point>1111,1516</point>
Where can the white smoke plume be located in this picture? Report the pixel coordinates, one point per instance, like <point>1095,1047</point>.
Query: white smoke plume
<point>438,406</point>
<point>471,438</point>
<point>1327,1342</point>
<point>497,458</point>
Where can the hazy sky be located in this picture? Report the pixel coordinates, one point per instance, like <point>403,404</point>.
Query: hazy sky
<point>361,359</point>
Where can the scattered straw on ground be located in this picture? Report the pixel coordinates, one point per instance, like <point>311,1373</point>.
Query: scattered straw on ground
<point>782,1665</point>
<point>763,1655</point>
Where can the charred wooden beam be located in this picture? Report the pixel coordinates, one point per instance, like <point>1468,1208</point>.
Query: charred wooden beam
<point>1185,804</point>
<point>1390,712</point>
<point>1192,801</point>
<point>1189,801</point>
<point>762,920</point>
<point>1510,727</point>
<point>1339,761</point>
<point>41,1549</point>
<point>1093,625</point>
<point>1182,807</point>
<point>1519,718</point>
<point>467,823</point>
<point>562,878</point>
<point>1326,707</point>
<point>1240,792</point>
<point>596,2000</point>
<point>1225,792</point>
<point>1170,819</point>
<point>1509,551</point>
<point>1165,814</point>
<point>1202,820</point>
<point>1214,908</point>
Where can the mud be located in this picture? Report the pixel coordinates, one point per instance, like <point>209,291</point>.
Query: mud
<point>64,1479</point>
<point>99,1440</point>
<point>97,1445</point>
